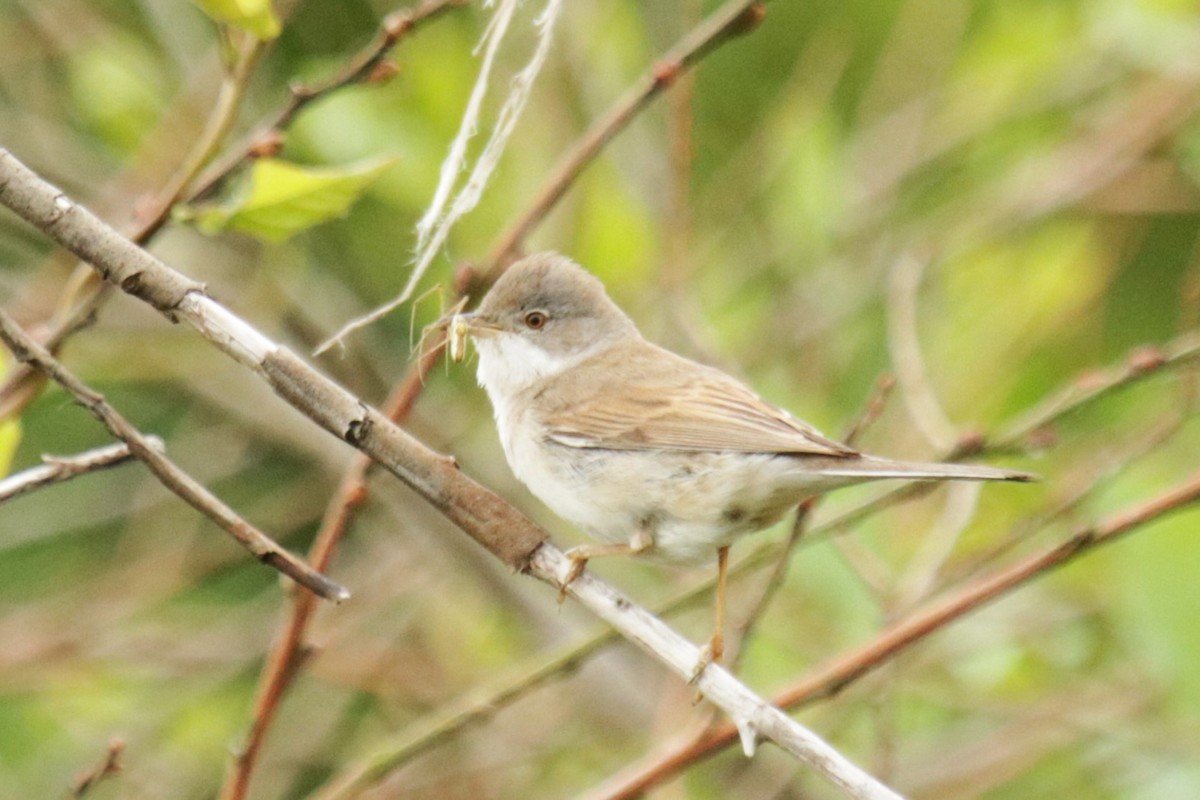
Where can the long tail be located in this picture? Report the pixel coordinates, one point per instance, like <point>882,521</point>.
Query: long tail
<point>865,467</point>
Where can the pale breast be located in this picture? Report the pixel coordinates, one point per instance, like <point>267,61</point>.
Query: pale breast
<point>691,503</point>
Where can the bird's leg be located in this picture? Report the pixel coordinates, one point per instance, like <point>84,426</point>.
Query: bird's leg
<point>582,554</point>
<point>716,645</point>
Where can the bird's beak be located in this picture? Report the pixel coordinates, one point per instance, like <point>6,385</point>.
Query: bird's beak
<point>460,325</point>
<point>476,324</point>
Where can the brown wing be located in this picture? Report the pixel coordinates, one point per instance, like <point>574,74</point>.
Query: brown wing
<point>675,404</point>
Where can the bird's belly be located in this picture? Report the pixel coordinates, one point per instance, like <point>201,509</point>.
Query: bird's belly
<point>690,503</point>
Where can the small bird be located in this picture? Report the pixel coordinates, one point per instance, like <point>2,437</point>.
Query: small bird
<point>648,452</point>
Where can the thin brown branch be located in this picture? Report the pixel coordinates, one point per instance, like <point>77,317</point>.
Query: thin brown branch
<point>56,469</point>
<point>477,706</point>
<point>365,66</point>
<point>1144,443</point>
<point>109,766</point>
<point>871,412</point>
<point>830,680</point>
<point>1035,425</point>
<point>735,18</point>
<point>216,128</point>
<point>26,350</point>
<point>287,657</point>
<point>835,677</point>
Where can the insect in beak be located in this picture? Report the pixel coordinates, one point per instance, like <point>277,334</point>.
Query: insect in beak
<point>456,336</point>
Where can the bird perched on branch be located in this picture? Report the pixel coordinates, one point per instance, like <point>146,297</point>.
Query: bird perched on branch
<point>648,452</point>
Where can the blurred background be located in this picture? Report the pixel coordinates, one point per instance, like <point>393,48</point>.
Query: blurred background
<point>992,201</point>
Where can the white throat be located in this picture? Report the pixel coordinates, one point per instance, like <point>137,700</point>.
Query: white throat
<point>510,364</point>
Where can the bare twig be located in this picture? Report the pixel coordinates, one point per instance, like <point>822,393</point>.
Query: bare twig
<point>478,705</point>
<point>216,128</point>
<point>481,704</point>
<point>920,577</point>
<point>677,231</point>
<point>288,654</point>
<point>874,408</point>
<point>110,765</point>
<point>1091,386</point>
<point>835,677</point>
<point>1144,443</point>
<point>363,67</point>
<point>258,543</point>
<point>487,518</point>
<point>830,680</point>
<point>753,718</point>
<point>56,469</point>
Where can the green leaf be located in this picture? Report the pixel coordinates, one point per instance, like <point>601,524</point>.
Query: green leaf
<point>281,199</point>
<point>254,16</point>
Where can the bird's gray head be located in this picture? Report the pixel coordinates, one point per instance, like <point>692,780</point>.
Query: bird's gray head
<point>545,314</point>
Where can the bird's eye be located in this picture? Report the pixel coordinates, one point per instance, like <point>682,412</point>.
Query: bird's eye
<point>536,320</point>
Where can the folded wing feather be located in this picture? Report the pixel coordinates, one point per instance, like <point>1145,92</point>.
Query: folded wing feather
<point>680,409</point>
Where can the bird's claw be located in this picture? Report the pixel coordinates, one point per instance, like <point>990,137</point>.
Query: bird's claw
<point>709,654</point>
<point>578,563</point>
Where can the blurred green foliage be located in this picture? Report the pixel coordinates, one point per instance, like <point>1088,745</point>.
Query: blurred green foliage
<point>1030,166</point>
